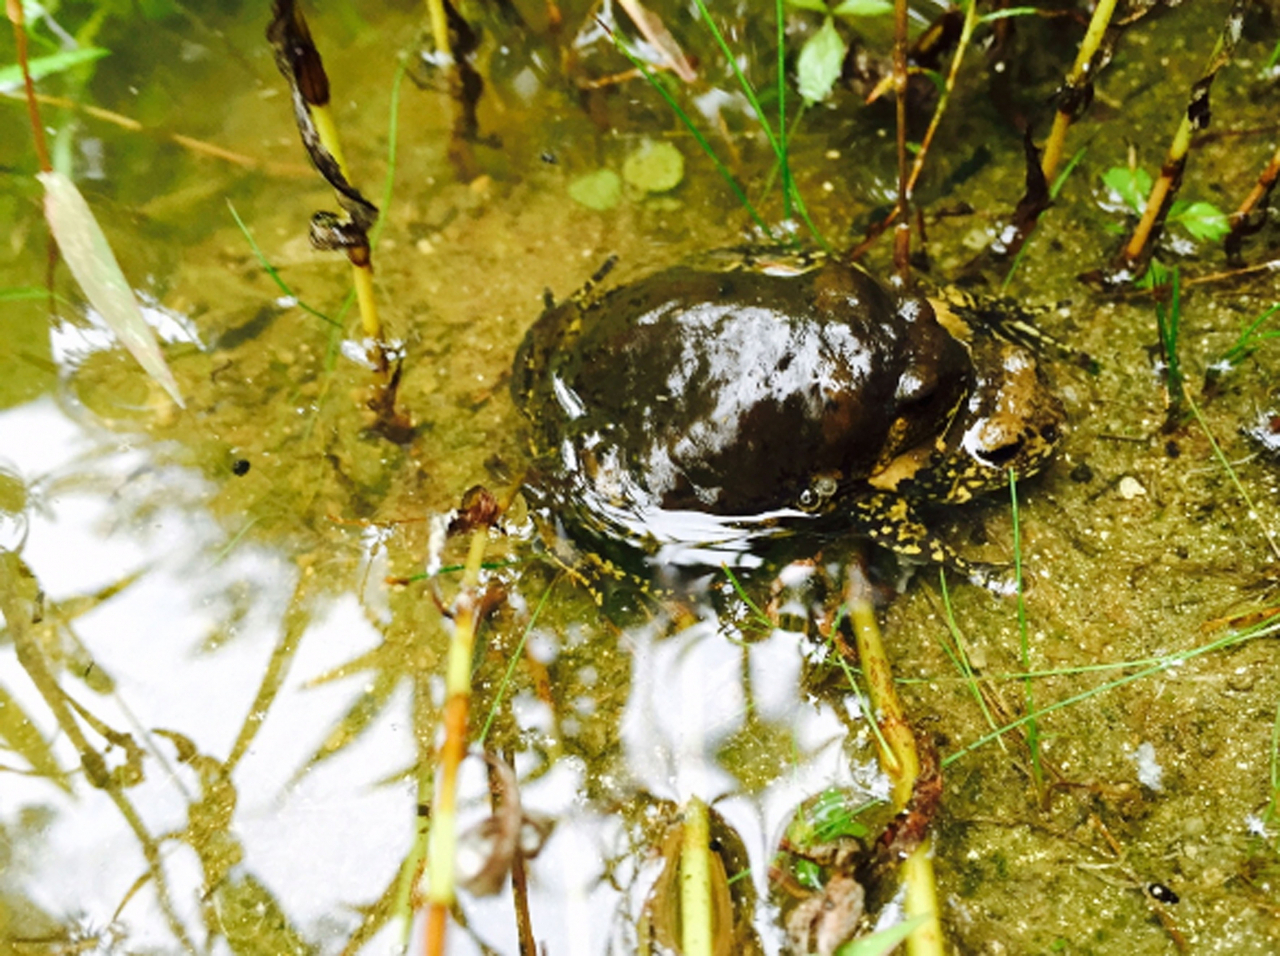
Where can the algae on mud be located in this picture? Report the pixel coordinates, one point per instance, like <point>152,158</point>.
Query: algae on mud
<point>241,575</point>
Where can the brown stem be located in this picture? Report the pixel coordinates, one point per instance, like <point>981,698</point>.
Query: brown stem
<point>14,9</point>
<point>917,166</point>
<point>1244,222</point>
<point>902,235</point>
<point>1195,117</point>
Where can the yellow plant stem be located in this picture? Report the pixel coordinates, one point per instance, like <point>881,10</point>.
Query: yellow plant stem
<point>1056,143</point>
<point>361,264</point>
<point>1159,191</point>
<point>328,131</point>
<point>362,273</point>
<point>695,880</point>
<point>922,900</point>
<point>443,839</point>
<point>440,29</point>
<point>898,757</point>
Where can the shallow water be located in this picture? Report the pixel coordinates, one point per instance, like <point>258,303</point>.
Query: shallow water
<point>241,660</point>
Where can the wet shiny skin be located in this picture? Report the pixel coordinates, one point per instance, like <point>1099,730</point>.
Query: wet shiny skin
<point>719,402</point>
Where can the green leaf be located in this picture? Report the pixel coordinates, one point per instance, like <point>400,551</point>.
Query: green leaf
<point>599,190</point>
<point>808,873</point>
<point>1203,220</point>
<point>939,81</point>
<point>1061,179</point>
<point>817,6</point>
<point>818,66</point>
<point>863,8</point>
<point>157,9</point>
<point>1011,12</point>
<point>1131,185</point>
<point>654,167</point>
<point>883,942</point>
<point>23,293</point>
<point>88,255</point>
<point>43,66</point>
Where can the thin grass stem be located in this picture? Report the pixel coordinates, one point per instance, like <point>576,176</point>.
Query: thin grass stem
<point>783,163</point>
<point>271,271</point>
<point>1254,513</point>
<point>1033,726</point>
<point>516,657</point>
<point>1054,189</point>
<point>778,141</point>
<point>1267,629</point>
<point>960,657</point>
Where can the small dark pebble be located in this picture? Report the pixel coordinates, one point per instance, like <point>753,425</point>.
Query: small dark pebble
<point>1082,473</point>
<point>240,467</point>
<point>1162,893</point>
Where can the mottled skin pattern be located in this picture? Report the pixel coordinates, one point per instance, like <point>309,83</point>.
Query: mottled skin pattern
<point>731,399</point>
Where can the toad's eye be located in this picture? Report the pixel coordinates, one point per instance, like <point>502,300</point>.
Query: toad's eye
<point>818,493</point>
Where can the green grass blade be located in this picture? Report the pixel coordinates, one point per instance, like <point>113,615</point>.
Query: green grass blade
<point>693,130</point>
<point>777,142</point>
<point>42,66</point>
<point>1033,726</point>
<point>271,270</point>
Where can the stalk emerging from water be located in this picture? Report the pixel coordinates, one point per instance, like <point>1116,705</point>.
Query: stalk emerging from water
<point>899,758</point>
<point>442,841</point>
<point>299,62</point>
<point>1195,117</point>
<point>1077,90</point>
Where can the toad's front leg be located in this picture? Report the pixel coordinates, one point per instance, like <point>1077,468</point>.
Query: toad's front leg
<point>891,522</point>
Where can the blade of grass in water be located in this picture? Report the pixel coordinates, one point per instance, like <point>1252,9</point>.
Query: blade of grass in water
<point>959,656</point>
<point>516,657</point>
<point>42,66</point>
<point>776,142</point>
<point>1033,727</point>
<point>1273,808</point>
<point>271,270</point>
<point>1254,513</point>
<point>701,140</point>
<point>1162,665</point>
